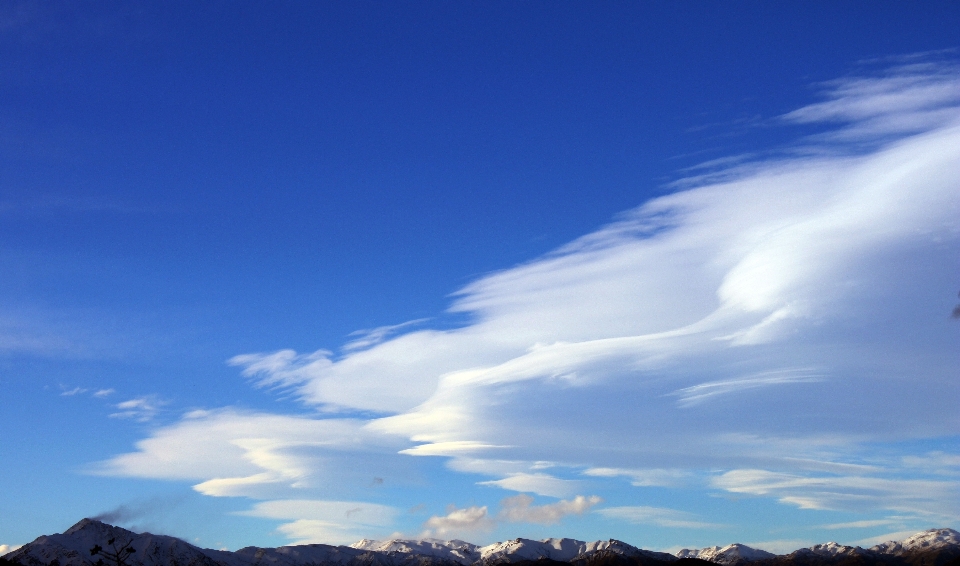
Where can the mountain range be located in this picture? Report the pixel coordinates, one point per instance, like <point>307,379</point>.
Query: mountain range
<point>935,547</point>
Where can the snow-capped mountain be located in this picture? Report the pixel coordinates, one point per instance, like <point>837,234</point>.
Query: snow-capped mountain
<point>727,555</point>
<point>934,539</point>
<point>560,549</point>
<point>455,550</point>
<point>516,550</point>
<point>936,547</point>
<point>831,549</point>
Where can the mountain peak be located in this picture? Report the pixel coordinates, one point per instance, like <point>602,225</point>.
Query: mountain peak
<point>727,555</point>
<point>83,524</point>
<point>930,539</point>
<point>831,549</point>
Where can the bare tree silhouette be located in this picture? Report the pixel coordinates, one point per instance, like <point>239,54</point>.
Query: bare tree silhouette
<point>116,554</point>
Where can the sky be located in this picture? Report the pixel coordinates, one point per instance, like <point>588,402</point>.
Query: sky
<point>675,273</point>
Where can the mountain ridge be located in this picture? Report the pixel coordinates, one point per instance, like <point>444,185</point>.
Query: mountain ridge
<point>933,547</point>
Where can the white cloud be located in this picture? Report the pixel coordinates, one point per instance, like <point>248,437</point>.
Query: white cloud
<point>840,263</point>
<point>469,519</point>
<point>237,453</point>
<point>448,448</point>
<point>329,522</point>
<point>520,509</point>
<point>104,392</point>
<point>72,392</point>
<point>539,483</point>
<point>659,516</point>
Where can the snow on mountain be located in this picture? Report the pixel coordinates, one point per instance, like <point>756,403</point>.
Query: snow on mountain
<point>455,550</point>
<point>730,554</point>
<point>831,549</point>
<point>933,539</point>
<point>560,549</point>
<point>526,549</point>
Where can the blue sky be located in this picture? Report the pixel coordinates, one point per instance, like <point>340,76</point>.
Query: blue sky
<point>679,274</point>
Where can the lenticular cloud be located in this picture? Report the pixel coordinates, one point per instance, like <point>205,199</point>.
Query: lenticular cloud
<point>767,320</point>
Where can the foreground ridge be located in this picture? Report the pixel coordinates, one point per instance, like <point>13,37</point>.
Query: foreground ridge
<point>934,547</point>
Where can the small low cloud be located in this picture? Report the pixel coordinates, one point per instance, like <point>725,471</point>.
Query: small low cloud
<point>8,548</point>
<point>71,392</point>
<point>101,393</point>
<point>520,509</point>
<point>458,521</point>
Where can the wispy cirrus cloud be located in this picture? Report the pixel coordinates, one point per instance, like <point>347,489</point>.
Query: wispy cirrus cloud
<point>645,477</point>
<point>371,337</point>
<point>658,516</point>
<point>696,394</point>
<point>854,493</point>
<point>910,97</point>
<point>865,524</point>
<point>936,462</point>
